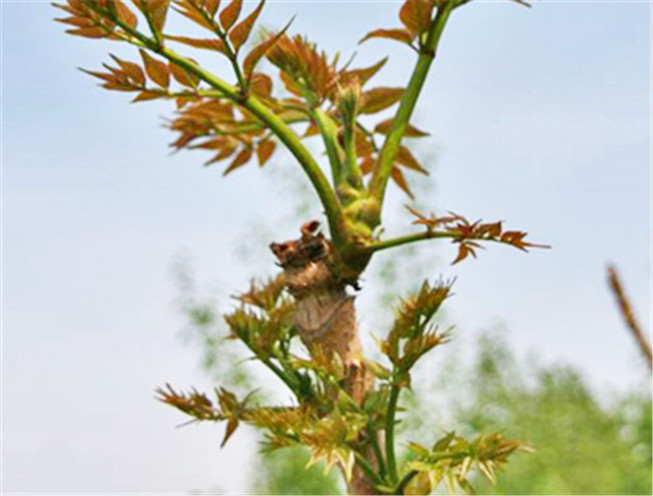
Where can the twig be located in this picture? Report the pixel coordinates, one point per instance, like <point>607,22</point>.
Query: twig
<point>627,313</point>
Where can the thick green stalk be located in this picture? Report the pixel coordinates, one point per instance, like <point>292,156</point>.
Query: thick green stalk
<point>390,148</point>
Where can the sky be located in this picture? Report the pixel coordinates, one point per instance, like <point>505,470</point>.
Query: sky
<point>539,117</point>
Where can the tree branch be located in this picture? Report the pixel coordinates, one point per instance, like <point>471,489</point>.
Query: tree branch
<point>329,132</point>
<point>391,144</point>
<point>410,238</point>
<point>285,134</point>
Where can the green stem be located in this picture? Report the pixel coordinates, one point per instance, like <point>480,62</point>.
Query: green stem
<point>391,144</point>
<point>404,481</point>
<point>231,54</point>
<point>389,434</point>
<point>353,171</point>
<point>410,238</point>
<point>329,132</point>
<point>374,441</point>
<point>369,470</point>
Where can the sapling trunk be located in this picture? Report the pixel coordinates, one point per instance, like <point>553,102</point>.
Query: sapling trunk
<point>325,318</point>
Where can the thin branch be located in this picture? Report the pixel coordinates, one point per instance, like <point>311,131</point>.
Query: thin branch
<point>329,132</point>
<point>392,142</point>
<point>374,441</point>
<point>389,434</point>
<point>369,470</point>
<point>627,313</point>
<point>410,238</point>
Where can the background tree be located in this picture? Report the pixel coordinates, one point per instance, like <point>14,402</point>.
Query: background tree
<point>340,414</point>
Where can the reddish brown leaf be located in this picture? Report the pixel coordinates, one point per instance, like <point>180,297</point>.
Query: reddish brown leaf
<point>225,152</point>
<point>311,130</point>
<point>94,32</point>
<point>80,22</point>
<point>158,10</point>
<point>241,159</point>
<point>146,95</point>
<point>111,78</point>
<point>181,101</point>
<point>182,76</point>
<point>378,99</point>
<point>259,51</point>
<point>261,85</point>
<point>211,6</point>
<point>117,87</point>
<point>191,12</point>
<point>230,13</point>
<point>463,251</point>
<point>416,15</point>
<point>205,44</point>
<point>133,71</point>
<point>126,15</point>
<point>241,32</point>
<point>367,164</point>
<point>411,131</point>
<point>393,34</point>
<point>156,70</point>
<point>232,424</point>
<point>363,75</point>
<point>264,151</point>
<point>400,180</point>
<point>405,157</point>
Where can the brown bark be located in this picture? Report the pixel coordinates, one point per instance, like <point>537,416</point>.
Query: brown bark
<point>325,316</point>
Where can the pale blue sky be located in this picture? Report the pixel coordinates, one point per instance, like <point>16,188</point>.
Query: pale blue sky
<point>540,117</point>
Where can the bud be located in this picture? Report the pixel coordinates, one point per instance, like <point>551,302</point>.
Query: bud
<point>349,100</point>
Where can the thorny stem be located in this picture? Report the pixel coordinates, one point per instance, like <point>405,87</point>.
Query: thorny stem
<point>391,144</point>
<point>287,136</point>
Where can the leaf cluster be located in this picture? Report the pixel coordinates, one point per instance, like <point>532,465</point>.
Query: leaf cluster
<point>468,235</point>
<point>452,457</point>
